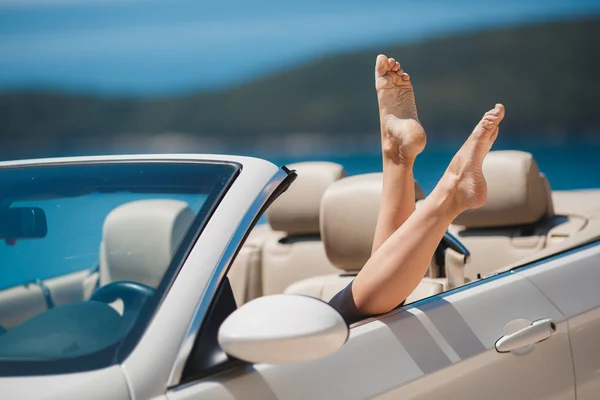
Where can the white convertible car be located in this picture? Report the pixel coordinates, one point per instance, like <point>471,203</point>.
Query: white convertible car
<point>148,277</point>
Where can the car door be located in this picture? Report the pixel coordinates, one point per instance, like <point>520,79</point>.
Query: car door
<point>571,283</point>
<point>463,329</point>
<point>443,347</point>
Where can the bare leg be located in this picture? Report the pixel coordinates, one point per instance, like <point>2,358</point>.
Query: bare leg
<point>402,139</point>
<point>396,268</point>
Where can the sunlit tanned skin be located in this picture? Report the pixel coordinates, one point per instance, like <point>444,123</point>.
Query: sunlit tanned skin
<point>402,139</point>
<point>405,238</point>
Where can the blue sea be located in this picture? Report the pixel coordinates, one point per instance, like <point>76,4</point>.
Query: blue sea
<point>568,166</point>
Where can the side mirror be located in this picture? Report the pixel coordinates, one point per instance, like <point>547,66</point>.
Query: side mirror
<point>283,328</point>
<point>23,223</point>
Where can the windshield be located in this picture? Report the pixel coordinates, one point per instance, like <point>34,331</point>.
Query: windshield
<point>85,249</point>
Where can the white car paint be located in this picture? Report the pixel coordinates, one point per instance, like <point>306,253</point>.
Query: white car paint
<point>107,383</point>
<point>443,348</point>
<point>575,291</point>
<point>250,161</point>
<point>281,329</point>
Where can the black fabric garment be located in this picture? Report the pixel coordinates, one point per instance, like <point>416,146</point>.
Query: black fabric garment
<point>343,302</point>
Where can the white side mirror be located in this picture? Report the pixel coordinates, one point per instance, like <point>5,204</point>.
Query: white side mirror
<point>283,328</point>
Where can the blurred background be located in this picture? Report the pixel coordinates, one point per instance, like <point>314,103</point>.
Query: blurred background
<point>293,81</point>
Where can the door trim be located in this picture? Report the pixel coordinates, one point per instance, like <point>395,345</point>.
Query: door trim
<point>485,280</point>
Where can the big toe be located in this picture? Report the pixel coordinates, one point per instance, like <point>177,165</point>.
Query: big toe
<point>500,110</point>
<point>382,65</point>
<point>492,118</point>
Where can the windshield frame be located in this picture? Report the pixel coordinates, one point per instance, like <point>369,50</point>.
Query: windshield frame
<point>118,352</point>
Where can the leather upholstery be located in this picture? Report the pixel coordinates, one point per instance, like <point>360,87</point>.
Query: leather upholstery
<point>245,274</point>
<point>296,211</point>
<point>139,239</point>
<point>349,213</point>
<point>293,250</point>
<point>517,193</point>
<point>517,220</point>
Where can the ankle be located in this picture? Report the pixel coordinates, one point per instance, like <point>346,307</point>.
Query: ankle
<point>393,153</point>
<point>445,197</point>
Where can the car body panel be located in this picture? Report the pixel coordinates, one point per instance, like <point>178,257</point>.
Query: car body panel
<point>574,290</point>
<point>471,322</point>
<point>137,157</point>
<point>442,347</point>
<point>107,383</point>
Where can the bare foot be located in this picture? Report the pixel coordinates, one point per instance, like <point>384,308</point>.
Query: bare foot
<point>464,174</point>
<point>403,137</point>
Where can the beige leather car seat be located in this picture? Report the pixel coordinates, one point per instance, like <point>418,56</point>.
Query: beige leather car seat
<point>139,239</point>
<point>349,213</point>
<point>517,220</point>
<point>293,250</point>
<point>245,274</point>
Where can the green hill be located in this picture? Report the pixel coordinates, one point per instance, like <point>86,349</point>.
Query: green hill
<point>546,75</point>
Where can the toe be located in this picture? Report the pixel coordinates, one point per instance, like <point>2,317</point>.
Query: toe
<point>491,119</point>
<point>381,65</point>
<point>405,77</point>
<point>487,125</point>
<point>500,109</point>
<point>394,65</point>
<point>497,112</point>
<point>492,113</point>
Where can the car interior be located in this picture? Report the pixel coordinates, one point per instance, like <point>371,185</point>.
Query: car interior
<point>319,234</point>
<point>138,240</point>
<point>523,220</point>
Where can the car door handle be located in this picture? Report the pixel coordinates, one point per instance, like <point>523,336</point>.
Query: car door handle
<point>536,332</point>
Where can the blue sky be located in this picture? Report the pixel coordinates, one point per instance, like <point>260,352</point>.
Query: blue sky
<point>145,47</point>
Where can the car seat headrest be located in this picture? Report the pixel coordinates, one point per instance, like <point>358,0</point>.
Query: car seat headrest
<point>139,239</point>
<point>518,194</point>
<point>349,212</point>
<point>296,211</point>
